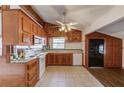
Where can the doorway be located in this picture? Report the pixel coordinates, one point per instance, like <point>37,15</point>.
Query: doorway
<point>96,52</point>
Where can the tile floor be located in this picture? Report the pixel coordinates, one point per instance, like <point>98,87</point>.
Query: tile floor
<point>67,76</point>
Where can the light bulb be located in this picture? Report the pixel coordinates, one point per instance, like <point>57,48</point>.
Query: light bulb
<point>65,30</point>
<point>60,29</point>
<point>69,28</point>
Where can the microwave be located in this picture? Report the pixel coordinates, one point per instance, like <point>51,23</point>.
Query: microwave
<point>39,40</point>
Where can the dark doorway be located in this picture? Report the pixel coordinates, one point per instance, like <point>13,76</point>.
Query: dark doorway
<point>96,53</point>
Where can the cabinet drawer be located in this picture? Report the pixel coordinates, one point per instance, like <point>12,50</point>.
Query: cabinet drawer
<point>32,65</point>
<point>32,73</point>
<point>33,81</point>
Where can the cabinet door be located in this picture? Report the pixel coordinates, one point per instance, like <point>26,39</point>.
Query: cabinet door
<point>50,59</point>
<point>42,32</point>
<point>39,31</point>
<point>68,58</point>
<point>26,24</point>
<point>59,59</point>
<point>32,72</point>
<point>74,36</point>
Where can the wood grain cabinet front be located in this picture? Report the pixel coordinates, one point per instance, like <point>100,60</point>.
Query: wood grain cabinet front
<point>32,72</point>
<point>64,59</point>
<point>16,24</point>
<point>74,36</point>
<point>26,24</point>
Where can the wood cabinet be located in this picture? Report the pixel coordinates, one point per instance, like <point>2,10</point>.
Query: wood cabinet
<point>26,23</point>
<point>34,28</point>
<point>74,36</point>
<point>18,28</point>
<point>32,72</point>
<point>38,30</point>
<point>65,59</point>
<point>21,74</point>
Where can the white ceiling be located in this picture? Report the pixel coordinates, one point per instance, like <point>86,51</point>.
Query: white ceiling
<point>116,27</point>
<point>84,15</point>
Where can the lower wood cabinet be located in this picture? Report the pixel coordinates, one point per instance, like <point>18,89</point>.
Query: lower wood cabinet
<point>25,74</point>
<point>64,59</point>
<point>32,72</point>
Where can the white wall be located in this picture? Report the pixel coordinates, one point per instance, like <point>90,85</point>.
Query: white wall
<point>74,45</point>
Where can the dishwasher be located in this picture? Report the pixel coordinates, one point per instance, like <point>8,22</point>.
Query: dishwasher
<point>77,59</point>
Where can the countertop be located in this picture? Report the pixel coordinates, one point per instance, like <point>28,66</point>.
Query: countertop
<point>24,61</point>
<point>63,51</point>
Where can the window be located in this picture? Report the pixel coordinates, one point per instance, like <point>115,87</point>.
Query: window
<point>58,43</point>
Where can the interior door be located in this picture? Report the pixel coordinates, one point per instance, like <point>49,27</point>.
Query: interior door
<point>96,52</point>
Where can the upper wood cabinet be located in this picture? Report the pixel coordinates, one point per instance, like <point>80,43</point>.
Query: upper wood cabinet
<point>34,28</point>
<point>18,28</point>
<point>74,36</point>
<point>26,24</point>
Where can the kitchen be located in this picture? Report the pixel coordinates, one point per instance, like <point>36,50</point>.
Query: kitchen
<point>30,49</point>
<point>39,49</point>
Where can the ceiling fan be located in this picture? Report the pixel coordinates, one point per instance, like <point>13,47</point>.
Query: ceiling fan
<point>64,26</point>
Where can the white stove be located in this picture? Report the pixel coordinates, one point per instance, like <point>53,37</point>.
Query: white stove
<point>42,64</point>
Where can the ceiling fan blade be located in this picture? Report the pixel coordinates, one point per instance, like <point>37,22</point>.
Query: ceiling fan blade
<point>59,22</point>
<point>73,23</point>
<point>72,27</point>
<point>55,26</point>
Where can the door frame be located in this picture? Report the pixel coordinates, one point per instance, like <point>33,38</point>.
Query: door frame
<point>86,57</point>
<point>104,49</point>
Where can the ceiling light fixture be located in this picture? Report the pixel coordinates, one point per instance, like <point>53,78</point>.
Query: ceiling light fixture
<point>64,26</point>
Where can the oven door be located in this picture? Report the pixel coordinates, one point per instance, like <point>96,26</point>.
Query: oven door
<point>41,66</point>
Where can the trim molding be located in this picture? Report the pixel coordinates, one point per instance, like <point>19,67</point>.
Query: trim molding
<point>5,7</point>
<point>33,14</point>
